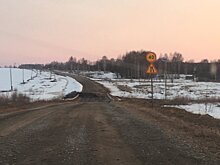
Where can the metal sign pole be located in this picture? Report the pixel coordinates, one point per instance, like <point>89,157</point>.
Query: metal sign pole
<point>151,58</point>
<point>152,91</point>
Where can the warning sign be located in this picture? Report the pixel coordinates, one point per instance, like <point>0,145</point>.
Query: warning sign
<point>151,57</point>
<point>152,69</point>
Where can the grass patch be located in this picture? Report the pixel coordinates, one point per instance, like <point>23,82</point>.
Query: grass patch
<point>15,98</point>
<point>209,100</point>
<point>124,88</point>
<point>178,101</point>
<point>187,100</point>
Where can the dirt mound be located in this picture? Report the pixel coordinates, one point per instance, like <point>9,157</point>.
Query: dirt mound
<point>93,97</point>
<point>71,95</point>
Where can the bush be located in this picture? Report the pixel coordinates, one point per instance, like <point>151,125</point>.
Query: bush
<point>180,100</point>
<point>209,100</point>
<point>186,100</point>
<point>4,100</point>
<point>125,88</point>
<point>16,98</point>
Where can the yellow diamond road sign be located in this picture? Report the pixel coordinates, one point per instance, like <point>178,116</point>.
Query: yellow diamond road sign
<point>151,69</point>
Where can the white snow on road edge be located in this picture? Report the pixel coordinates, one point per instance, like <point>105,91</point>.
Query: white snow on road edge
<point>40,87</point>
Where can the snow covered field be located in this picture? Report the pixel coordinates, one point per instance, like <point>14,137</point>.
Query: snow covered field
<point>180,88</point>
<point>41,87</point>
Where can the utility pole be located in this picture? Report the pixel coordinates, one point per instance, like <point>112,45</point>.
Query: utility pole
<point>50,74</point>
<point>11,79</point>
<point>104,65</point>
<point>23,75</point>
<point>71,67</point>
<point>165,76</point>
<point>31,74</point>
<point>138,71</point>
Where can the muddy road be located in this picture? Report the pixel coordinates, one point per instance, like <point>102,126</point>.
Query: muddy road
<point>98,129</point>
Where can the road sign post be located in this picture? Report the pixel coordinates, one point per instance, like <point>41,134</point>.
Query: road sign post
<point>151,58</point>
<point>152,90</point>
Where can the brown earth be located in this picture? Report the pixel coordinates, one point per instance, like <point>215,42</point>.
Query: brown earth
<point>99,129</point>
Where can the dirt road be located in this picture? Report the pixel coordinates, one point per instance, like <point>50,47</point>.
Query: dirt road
<point>95,129</point>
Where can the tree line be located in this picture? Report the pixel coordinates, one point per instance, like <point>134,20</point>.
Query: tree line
<point>133,65</point>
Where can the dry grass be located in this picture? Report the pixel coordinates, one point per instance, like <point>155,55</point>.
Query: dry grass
<point>209,100</point>
<point>178,101</point>
<point>15,98</point>
<point>186,100</point>
<point>124,88</point>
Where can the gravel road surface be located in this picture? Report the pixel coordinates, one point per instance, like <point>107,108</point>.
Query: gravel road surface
<point>98,129</point>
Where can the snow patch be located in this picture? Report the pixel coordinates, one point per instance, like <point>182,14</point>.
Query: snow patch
<point>100,75</point>
<point>41,87</point>
<point>181,88</point>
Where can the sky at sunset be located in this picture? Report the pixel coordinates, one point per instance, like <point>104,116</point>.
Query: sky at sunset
<point>41,31</point>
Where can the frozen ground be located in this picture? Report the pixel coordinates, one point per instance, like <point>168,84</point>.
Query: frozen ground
<point>180,88</point>
<point>41,87</point>
<point>203,109</point>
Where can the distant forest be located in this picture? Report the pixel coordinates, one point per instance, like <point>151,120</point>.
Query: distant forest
<point>133,65</point>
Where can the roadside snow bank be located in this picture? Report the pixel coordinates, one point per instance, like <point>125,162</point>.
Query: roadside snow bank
<point>43,86</point>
